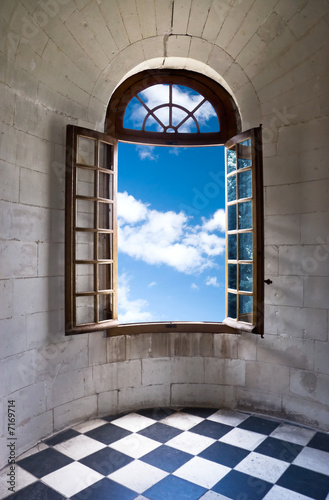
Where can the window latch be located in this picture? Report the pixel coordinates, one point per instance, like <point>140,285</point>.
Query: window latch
<point>268,282</point>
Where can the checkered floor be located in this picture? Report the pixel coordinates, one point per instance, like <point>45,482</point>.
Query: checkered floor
<point>185,454</point>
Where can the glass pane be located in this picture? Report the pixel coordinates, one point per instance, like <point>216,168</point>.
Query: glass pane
<point>232,303</point>
<point>105,307</point>
<point>105,277</point>
<point>84,245</point>
<point>105,246</point>
<point>85,310</point>
<point>245,277</point>
<point>243,163</point>
<point>244,154</point>
<point>247,142</point>
<point>134,115</point>
<point>105,157</point>
<point>152,125</point>
<point>231,160</point>
<point>85,180</point>
<point>86,151</point>
<point>245,215</point>
<point>231,216</point>
<point>85,213</point>
<point>207,118</point>
<point>163,115</point>
<point>84,278</point>
<point>245,246</point>
<point>105,215</point>
<point>245,308</point>
<point>105,186</point>
<point>232,247</point>
<point>232,276</point>
<point>188,127</point>
<point>244,183</point>
<point>231,188</point>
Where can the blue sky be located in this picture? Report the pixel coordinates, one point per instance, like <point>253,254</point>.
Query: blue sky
<point>171,218</point>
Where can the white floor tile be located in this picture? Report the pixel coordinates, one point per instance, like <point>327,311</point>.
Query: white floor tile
<point>138,476</point>
<point>266,468</point>
<point>313,459</point>
<point>212,495</point>
<point>90,425</point>
<point>135,445</point>
<point>190,442</point>
<point>72,479</point>
<point>228,417</point>
<point>133,422</point>
<point>182,421</point>
<point>79,447</point>
<point>279,493</point>
<point>244,439</point>
<point>293,434</point>
<point>202,472</point>
<point>22,479</point>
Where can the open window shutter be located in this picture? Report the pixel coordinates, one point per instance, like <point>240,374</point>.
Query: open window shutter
<point>244,236</point>
<point>90,232</point>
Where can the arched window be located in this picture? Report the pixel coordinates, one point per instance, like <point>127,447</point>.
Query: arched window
<point>168,108</point>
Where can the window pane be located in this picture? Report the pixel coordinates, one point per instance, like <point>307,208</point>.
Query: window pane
<point>187,127</point>
<point>232,268</point>
<point>85,182</point>
<point>231,188</point>
<point>105,277</point>
<point>245,308</point>
<point>105,307</point>
<point>105,186</point>
<point>86,151</point>
<point>232,303</point>
<point>245,246</point>
<point>85,310</point>
<point>85,213</point>
<point>231,216</point>
<point>105,215</point>
<point>231,160</point>
<point>244,154</point>
<point>84,278</point>
<point>244,183</point>
<point>105,157</point>
<point>134,115</point>
<point>152,125</point>
<point>84,245</point>
<point>245,277</point>
<point>207,118</point>
<point>105,246</point>
<point>232,247</point>
<point>245,215</point>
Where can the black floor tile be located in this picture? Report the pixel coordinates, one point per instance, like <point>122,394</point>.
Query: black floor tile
<point>200,412</point>
<point>61,437</point>
<point>224,454</point>
<point>305,481</point>
<point>167,458</point>
<point>36,491</point>
<point>44,462</point>
<point>174,488</point>
<point>260,425</point>
<point>106,489</point>
<point>110,418</point>
<point>320,441</point>
<point>211,429</point>
<point>282,450</point>
<point>106,461</point>
<point>160,432</point>
<point>108,433</point>
<point>242,486</point>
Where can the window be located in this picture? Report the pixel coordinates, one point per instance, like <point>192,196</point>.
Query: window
<point>150,108</point>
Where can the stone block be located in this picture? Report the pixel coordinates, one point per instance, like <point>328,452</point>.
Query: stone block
<point>8,146</point>
<point>152,47</point>
<point>208,395</point>
<point>44,328</point>
<point>146,16</point>
<point>74,412</point>
<point>97,345</point>
<point>247,347</point>
<point>116,349</point>
<point>306,412</point>
<point>33,430</point>
<point>178,46</point>
<point>139,346</point>
<point>108,403</point>
<point>6,298</point>
<point>314,231</point>
<point>198,17</point>
<point>9,189</point>
<point>96,24</point>
<point>187,370</point>
<point>64,388</point>
<point>156,371</point>
<point>23,222</point>
<point>285,290</point>
<point>144,397</point>
<point>321,358</point>
<point>200,49</point>
<point>282,230</point>
<point>129,374</point>
<point>13,336</point>
<point>301,322</point>
<point>163,13</point>
<point>18,259</point>
<point>192,344</point>
<point>251,50</point>
<point>50,259</point>
<point>310,385</point>
<point>271,264</point>
<point>7,105</point>
<point>316,292</point>
<point>18,372</point>
<point>216,15</point>
<point>35,294</point>
<point>267,377</point>
<point>29,402</point>
<point>181,15</point>
<point>289,352</point>
<point>113,19</point>
<point>129,15</point>
<point>258,400</point>
<point>105,378</point>
<point>226,345</point>
<point>224,371</point>
<point>304,260</point>
<point>161,345</point>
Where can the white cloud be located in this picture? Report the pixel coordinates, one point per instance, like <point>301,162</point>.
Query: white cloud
<point>194,287</point>
<point>152,284</point>
<point>216,223</point>
<point>131,311</point>
<point>212,281</point>
<point>165,237</point>
<point>147,153</point>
